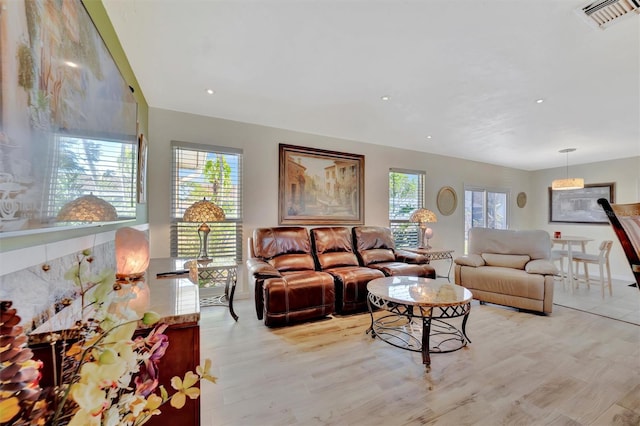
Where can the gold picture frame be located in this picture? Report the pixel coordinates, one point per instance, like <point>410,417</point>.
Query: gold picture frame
<point>320,187</point>
<point>447,200</point>
<point>521,199</point>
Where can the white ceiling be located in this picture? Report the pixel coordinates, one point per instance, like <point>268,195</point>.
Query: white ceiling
<point>465,72</point>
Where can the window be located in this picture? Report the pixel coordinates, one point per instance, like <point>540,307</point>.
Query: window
<point>214,173</point>
<point>485,208</point>
<point>105,168</point>
<point>406,194</point>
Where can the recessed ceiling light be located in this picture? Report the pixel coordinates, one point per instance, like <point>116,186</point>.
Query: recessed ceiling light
<point>71,64</point>
<point>429,137</point>
<point>210,91</point>
<point>385,97</point>
<point>539,101</point>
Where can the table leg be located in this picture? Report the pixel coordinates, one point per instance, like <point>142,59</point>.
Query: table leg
<point>450,265</point>
<point>426,332</point>
<point>570,267</point>
<point>464,327</point>
<point>370,329</point>
<point>233,291</point>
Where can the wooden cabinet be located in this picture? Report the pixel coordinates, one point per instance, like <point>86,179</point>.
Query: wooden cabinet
<point>183,354</point>
<point>176,300</point>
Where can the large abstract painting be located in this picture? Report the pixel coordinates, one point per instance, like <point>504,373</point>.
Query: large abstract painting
<point>67,117</point>
<point>320,187</point>
<point>580,205</point>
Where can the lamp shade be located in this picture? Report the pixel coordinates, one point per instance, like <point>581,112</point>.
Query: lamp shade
<point>87,208</point>
<point>423,216</point>
<point>203,211</point>
<point>132,253</point>
<point>568,183</point>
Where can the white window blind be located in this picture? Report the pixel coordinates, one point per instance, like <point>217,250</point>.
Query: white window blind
<point>406,194</point>
<point>80,166</point>
<point>214,173</point>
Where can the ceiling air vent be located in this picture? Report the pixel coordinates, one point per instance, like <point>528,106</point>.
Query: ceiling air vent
<point>604,12</point>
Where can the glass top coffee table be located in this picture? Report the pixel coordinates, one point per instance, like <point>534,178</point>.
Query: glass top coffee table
<point>416,312</point>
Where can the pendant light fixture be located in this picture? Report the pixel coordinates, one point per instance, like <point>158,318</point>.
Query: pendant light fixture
<point>567,183</point>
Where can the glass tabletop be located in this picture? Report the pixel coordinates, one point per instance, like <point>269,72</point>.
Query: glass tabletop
<point>419,291</point>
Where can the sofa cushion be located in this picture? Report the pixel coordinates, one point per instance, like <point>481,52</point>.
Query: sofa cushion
<point>541,266</point>
<point>534,243</point>
<point>370,257</point>
<point>497,279</point>
<point>332,247</point>
<point>272,242</point>
<point>474,260</point>
<point>293,262</point>
<point>516,261</point>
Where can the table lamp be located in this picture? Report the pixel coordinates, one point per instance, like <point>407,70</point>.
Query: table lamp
<point>132,260</point>
<point>422,217</point>
<point>87,208</point>
<point>202,212</point>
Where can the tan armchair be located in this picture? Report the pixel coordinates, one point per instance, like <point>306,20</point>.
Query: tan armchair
<point>511,268</point>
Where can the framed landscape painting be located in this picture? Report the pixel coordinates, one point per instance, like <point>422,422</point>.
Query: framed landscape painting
<point>580,205</point>
<point>319,187</point>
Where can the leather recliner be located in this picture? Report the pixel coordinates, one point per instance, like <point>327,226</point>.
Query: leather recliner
<point>287,286</point>
<point>375,248</point>
<point>333,250</point>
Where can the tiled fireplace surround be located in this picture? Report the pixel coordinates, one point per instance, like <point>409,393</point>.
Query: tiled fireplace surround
<point>37,294</point>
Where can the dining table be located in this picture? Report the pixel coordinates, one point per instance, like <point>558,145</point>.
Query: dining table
<point>571,240</point>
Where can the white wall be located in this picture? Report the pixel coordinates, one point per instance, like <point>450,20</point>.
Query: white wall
<point>260,185</point>
<point>626,175</point>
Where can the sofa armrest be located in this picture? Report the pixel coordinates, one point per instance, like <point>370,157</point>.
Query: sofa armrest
<point>258,268</point>
<point>542,267</point>
<point>473,260</point>
<point>410,257</point>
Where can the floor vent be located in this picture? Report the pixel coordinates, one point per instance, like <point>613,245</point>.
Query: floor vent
<point>603,13</point>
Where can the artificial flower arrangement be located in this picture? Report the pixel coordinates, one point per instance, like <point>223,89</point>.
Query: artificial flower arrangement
<point>108,376</point>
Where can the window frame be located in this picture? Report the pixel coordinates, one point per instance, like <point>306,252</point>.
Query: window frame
<point>231,226</point>
<point>486,190</point>
<point>123,165</point>
<point>405,233</point>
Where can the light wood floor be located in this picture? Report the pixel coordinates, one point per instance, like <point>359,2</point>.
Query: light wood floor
<point>570,368</point>
<point>623,305</point>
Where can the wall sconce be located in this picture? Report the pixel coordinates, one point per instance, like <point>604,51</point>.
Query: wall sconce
<point>132,260</point>
<point>87,208</point>
<point>202,212</point>
<point>567,183</point>
<point>422,217</point>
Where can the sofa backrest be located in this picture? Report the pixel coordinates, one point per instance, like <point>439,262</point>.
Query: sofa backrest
<point>286,248</point>
<point>373,244</point>
<point>534,243</point>
<point>332,247</point>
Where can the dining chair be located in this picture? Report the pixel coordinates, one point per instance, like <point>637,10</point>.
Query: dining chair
<point>559,256</point>
<point>601,259</point>
<point>625,220</point>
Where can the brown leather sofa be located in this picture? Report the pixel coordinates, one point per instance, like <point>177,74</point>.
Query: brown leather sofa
<point>375,249</point>
<point>296,280</point>
<point>287,286</point>
<point>333,250</point>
